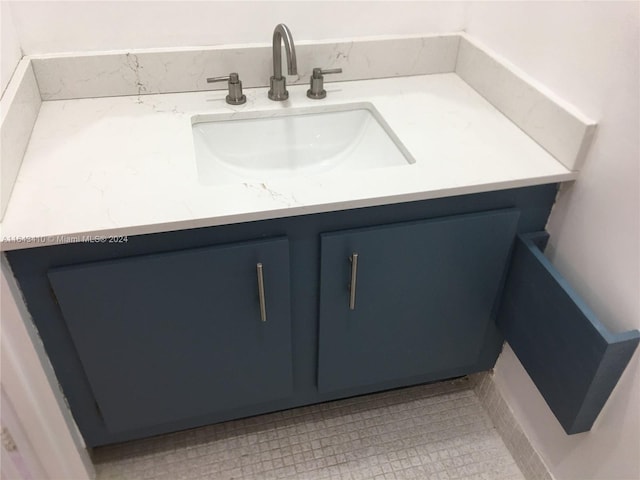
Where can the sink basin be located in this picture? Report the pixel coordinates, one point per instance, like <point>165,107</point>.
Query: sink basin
<point>261,146</point>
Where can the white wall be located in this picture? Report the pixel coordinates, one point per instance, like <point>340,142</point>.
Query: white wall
<point>10,53</point>
<point>588,53</point>
<point>45,27</point>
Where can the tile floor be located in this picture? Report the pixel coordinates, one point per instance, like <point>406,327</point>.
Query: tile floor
<point>438,431</point>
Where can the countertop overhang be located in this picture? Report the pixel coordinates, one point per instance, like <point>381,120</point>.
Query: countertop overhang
<point>100,168</point>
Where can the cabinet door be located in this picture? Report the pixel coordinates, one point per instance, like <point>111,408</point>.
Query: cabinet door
<point>573,359</point>
<point>424,297</point>
<point>176,335</point>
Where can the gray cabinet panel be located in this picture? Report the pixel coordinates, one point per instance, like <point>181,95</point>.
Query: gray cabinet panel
<point>425,293</point>
<point>176,335</point>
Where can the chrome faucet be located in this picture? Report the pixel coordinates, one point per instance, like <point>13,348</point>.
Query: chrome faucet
<point>278,83</point>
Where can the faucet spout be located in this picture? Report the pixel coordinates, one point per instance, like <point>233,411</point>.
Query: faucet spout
<point>282,34</point>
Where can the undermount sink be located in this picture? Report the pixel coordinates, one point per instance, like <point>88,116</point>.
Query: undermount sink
<point>261,146</point>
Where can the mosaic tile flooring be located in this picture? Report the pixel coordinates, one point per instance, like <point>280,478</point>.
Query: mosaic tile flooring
<point>438,431</point>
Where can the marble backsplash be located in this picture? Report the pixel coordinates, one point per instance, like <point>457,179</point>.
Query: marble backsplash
<point>150,71</point>
<point>19,109</point>
<point>555,125</point>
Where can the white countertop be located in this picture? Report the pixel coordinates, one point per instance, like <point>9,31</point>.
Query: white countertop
<point>118,166</point>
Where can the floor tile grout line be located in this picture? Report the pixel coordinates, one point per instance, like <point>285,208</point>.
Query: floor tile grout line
<point>382,445</point>
<point>387,435</point>
<point>213,426</point>
<point>430,432</point>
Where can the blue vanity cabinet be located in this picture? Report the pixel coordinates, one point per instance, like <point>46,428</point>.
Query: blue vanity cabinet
<point>415,302</point>
<point>175,335</point>
<point>164,332</point>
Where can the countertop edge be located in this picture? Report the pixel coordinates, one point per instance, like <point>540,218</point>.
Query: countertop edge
<point>116,234</point>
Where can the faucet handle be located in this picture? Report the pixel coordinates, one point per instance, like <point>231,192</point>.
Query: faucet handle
<point>235,96</point>
<point>318,72</point>
<point>317,90</point>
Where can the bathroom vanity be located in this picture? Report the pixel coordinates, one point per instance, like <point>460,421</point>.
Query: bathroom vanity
<point>176,282</point>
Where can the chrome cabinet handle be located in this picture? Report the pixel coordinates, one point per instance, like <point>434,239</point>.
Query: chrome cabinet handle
<point>263,306</point>
<point>354,277</point>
